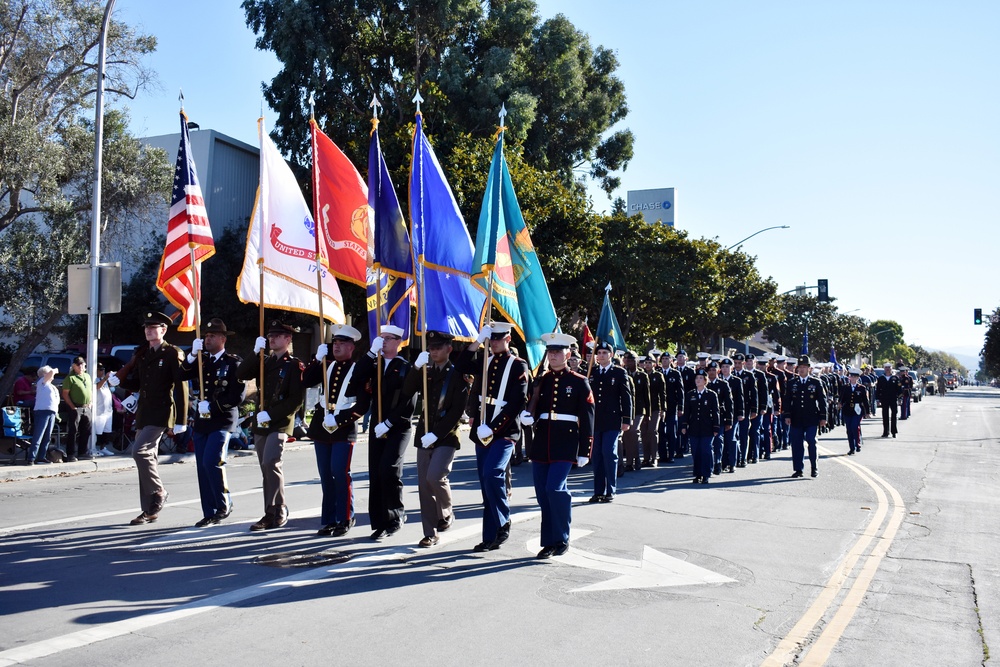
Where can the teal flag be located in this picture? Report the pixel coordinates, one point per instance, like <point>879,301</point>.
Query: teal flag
<point>607,328</point>
<point>504,249</point>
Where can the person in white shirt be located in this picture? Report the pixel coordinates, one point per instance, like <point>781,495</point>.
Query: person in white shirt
<point>44,416</point>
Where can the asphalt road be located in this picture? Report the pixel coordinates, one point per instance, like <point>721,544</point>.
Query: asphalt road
<point>886,558</point>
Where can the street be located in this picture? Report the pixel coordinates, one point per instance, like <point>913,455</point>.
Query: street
<point>888,557</point>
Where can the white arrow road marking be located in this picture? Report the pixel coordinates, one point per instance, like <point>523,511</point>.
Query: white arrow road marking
<point>654,570</point>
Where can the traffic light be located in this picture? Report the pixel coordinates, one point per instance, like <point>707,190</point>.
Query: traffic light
<point>823,288</point>
<point>977,315</point>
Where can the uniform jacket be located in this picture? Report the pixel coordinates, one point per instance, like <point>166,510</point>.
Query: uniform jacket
<point>447,394</point>
<point>657,391</point>
<point>905,384</point>
<point>356,399</point>
<point>736,391</point>
<point>223,390</point>
<point>774,386</point>
<point>751,401</point>
<point>566,393</point>
<point>852,396</point>
<point>159,379</point>
<point>515,396</point>
<point>675,390</point>
<point>613,401</point>
<point>282,390</point>
<point>804,402</point>
<point>726,408</point>
<point>763,391</point>
<point>887,390</point>
<point>702,417</point>
<point>687,374</point>
<point>394,409</point>
<point>643,401</point>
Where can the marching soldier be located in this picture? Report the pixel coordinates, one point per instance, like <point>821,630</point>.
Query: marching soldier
<point>640,390</point>
<point>163,404</point>
<point>670,442</point>
<point>887,390</point>
<point>613,411</point>
<point>218,418</point>
<point>701,423</point>
<point>750,407</point>
<point>906,391</point>
<point>657,406</point>
<point>731,435</point>
<point>333,427</point>
<point>854,406</point>
<point>804,412</point>
<point>282,394</point>
<point>562,410</point>
<point>727,413</point>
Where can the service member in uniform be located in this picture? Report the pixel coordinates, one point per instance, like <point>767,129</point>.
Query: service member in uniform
<point>731,435</point>
<point>641,402</point>
<point>750,408</point>
<point>804,411</point>
<point>854,406</point>
<point>447,395</point>
<point>562,410</point>
<point>727,412</point>
<point>281,396</point>
<point>506,390</point>
<point>217,419</point>
<point>612,416</point>
<point>657,406</point>
<point>670,441</point>
<point>887,390</point>
<point>702,423</point>
<point>163,404</point>
<point>333,428</point>
<point>389,432</point>
<point>906,391</point>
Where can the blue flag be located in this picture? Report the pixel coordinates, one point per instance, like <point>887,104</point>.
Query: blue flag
<point>503,248</point>
<point>392,267</point>
<point>442,248</point>
<point>607,328</point>
<point>805,341</point>
<point>833,358</point>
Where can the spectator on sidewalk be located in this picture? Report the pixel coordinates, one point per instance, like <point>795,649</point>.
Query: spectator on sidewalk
<point>78,401</point>
<point>44,417</point>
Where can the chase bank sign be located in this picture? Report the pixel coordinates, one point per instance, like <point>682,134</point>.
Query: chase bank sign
<point>653,205</point>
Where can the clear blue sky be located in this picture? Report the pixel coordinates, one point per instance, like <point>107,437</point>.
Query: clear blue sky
<point>871,128</point>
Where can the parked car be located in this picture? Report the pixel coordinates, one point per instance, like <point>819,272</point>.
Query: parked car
<point>930,384</point>
<point>62,361</point>
<point>918,387</point>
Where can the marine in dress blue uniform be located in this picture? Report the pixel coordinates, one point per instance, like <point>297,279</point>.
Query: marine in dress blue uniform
<point>702,423</point>
<point>333,428</point>
<point>854,406</point>
<point>804,410</point>
<point>562,412</point>
<point>613,411</point>
<point>218,417</point>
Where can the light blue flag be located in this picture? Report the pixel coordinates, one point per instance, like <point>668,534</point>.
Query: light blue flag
<point>607,328</point>
<point>504,248</point>
<point>442,248</point>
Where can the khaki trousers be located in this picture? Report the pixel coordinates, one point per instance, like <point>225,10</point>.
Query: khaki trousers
<point>269,448</point>
<point>145,451</point>
<point>433,468</point>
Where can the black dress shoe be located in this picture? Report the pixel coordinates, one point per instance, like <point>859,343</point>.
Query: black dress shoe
<point>885,435</point>
<point>445,524</point>
<point>894,435</point>
<point>143,518</point>
<point>487,546</point>
<point>341,529</point>
<point>850,453</point>
<point>325,531</point>
<point>717,470</point>
<point>560,549</point>
<point>696,480</point>
<point>596,499</point>
<point>797,473</point>
<point>379,534</point>
<point>704,480</point>
<point>395,527</point>
<point>546,552</point>
<point>813,473</point>
<point>219,516</point>
<point>503,534</point>
<point>207,521</point>
<point>609,498</point>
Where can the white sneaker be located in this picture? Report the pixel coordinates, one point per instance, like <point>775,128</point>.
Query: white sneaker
<point>107,452</point>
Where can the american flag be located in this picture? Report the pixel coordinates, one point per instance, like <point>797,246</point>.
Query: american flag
<point>188,229</point>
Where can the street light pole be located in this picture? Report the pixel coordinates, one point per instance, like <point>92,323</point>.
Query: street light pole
<point>759,231</point>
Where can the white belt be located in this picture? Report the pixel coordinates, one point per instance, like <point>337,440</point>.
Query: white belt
<point>495,401</point>
<point>349,402</point>
<point>555,416</point>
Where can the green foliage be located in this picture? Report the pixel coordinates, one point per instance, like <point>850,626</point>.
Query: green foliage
<point>883,336</point>
<point>847,334</point>
<point>990,357</point>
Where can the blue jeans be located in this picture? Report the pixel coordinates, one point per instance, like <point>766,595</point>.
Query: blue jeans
<point>210,451</point>
<point>701,453</point>
<point>606,462</point>
<point>43,423</point>
<point>333,459</point>
<point>492,465</point>
<point>798,436</point>
<point>554,499</point>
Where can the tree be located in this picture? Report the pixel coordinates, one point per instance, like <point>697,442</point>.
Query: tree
<point>562,94</point>
<point>883,336</point>
<point>828,328</point>
<point>48,53</point>
<point>990,359</point>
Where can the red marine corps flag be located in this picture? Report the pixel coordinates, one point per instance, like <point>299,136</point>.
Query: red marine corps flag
<point>189,238</point>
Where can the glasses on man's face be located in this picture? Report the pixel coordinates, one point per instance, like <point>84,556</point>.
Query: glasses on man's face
<point>391,338</point>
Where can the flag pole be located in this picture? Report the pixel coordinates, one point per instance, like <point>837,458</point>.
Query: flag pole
<point>316,232</point>
<point>378,292</point>
<point>196,284</point>
<point>486,351</point>
<point>422,291</point>
<point>260,270</point>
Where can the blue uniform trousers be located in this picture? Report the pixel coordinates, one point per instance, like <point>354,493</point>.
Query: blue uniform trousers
<point>742,441</point>
<point>701,452</point>
<point>729,446</point>
<point>670,443</point>
<point>853,424</point>
<point>333,459</point>
<point>754,438</point>
<point>765,434</point>
<point>605,461</point>
<point>210,451</point>
<point>717,444</point>
<point>554,499</point>
<point>491,462</point>
<point>798,437</point>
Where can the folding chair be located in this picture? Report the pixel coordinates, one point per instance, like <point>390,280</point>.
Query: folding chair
<point>16,429</point>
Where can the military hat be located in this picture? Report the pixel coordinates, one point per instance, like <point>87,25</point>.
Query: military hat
<point>749,357</point>
<point>344,333</point>
<point>156,318</point>
<point>739,356</point>
<point>854,371</point>
<point>654,353</point>
<point>573,354</point>
<point>435,338</point>
<point>681,353</point>
<point>701,371</point>
<point>716,357</point>
<point>726,361</point>
<point>281,328</point>
<point>391,330</point>
<point>781,357</point>
<point>887,365</point>
<point>903,368</point>
<point>666,355</point>
<point>702,355</point>
<point>713,364</point>
<point>500,330</point>
<point>605,345</point>
<point>761,359</point>
<point>804,360</point>
<point>557,341</point>
<point>217,326</point>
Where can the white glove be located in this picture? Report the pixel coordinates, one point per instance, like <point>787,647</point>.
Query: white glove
<point>191,359</point>
<point>204,408</point>
<point>428,439</point>
<point>113,379</point>
<point>180,428</point>
<point>263,417</point>
<point>422,359</point>
<point>581,461</point>
<point>322,351</point>
<point>259,344</point>
<point>485,434</point>
<point>330,422</point>
<point>484,333</point>
<point>377,343</point>
<point>527,419</point>
<point>197,345</point>
<point>382,428</point>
